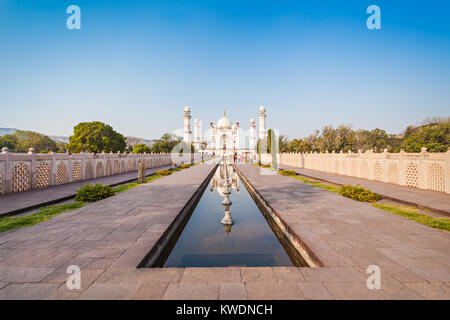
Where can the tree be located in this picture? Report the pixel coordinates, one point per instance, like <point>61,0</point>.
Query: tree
<point>434,136</point>
<point>10,141</point>
<point>29,139</point>
<point>141,148</point>
<point>96,137</point>
<point>168,142</point>
<point>298,145</point>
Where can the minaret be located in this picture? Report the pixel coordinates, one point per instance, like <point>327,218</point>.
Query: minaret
<point>252,142</point>
<point>212,137</point>
<point>238,144</point>
<point>262,122</point>
<point>187,125</point>
<point>196,134</point>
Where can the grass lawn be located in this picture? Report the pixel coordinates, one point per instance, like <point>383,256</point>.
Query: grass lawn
<point>45,213</point>
<point>413,213</point>
<point>329,187</point>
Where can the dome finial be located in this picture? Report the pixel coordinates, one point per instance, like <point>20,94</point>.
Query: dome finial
<point>224,112</point>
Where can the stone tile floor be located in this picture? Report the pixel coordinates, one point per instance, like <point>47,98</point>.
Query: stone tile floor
<point>108,239</point>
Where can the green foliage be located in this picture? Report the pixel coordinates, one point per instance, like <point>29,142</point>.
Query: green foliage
<point>92,193</point>
<point>170,143</point>
<point>21,141</point>
<point>184,166</point>
<point>164,172</point>
<point>288,172</point>
<point>10,223</point>
<point>298,145</point>
<point>141,148</point>
<point>96,137</point>
<point>10,141</point>
<point>413,213</point>
<point>434,136</point>
<point>359,193</point>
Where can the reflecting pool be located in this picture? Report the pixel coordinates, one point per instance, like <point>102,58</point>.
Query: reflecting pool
<point>227,229</point>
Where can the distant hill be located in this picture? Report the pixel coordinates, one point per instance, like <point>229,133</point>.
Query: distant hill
<point>5,131</point>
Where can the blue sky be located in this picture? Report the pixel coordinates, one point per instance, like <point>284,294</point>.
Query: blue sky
<point>135,64</point>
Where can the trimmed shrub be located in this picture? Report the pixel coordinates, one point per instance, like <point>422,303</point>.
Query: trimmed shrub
<point>265,166</point>
<point>288,172</point>
<point>164,172</point>
<point>184,166</point>
<point>92,193</point>
<point>359,193</point>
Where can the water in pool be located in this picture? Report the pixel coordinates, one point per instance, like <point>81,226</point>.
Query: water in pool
<point>227,229</point>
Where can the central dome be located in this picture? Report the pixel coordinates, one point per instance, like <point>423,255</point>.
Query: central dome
<point>224,123</point>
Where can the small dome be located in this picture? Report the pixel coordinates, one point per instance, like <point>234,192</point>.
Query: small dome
<point>224,123</point>
<point>262,108</point>
<point>195,120</point>
<point>252,120</point>
<point>187,108</point>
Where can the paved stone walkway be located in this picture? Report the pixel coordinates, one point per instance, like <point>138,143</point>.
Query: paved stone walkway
<point>426,199</point>
<point>109,238</point>
<point>13,203</point>
<point>347,236</point>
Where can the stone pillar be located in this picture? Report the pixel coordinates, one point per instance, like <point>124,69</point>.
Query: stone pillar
<point>33,168</point>
<point>385,166</point>
<point>402,168</point>
<point>423,181</point>
<point>7,179</point>
<point>53,169</point>
<point>141,172</point>
<point>447,171</point>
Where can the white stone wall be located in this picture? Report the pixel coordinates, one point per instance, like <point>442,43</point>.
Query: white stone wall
<point>25,171</point>
<point>422,170</point>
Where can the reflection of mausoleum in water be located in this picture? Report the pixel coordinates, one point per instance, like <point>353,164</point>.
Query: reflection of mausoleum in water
<point>225,179</point>
<point>219,181</point>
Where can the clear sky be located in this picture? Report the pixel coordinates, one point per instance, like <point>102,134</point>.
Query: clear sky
<point>135,64</point>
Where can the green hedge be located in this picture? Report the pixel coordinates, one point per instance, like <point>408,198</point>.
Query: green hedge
<point>164,172</point>
<point>288,172</point>
<point>92,193</point>
<point>359,193</point>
